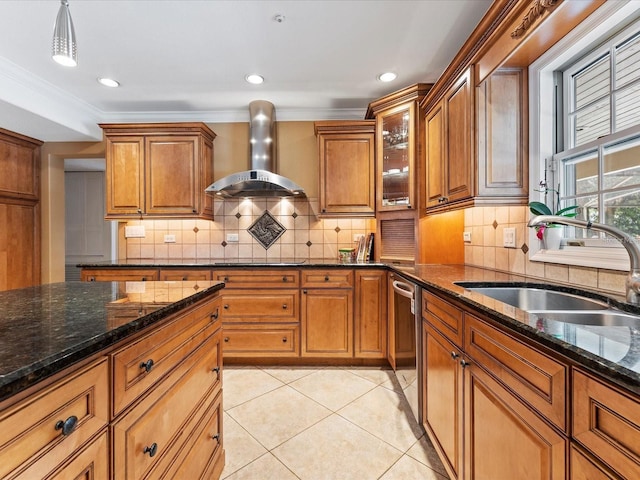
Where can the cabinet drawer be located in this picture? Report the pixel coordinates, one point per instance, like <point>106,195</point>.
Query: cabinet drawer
<point>119,275</point>
<point>187,274</point>
<point>606,421</point>
<point>444,316</point>
<point>274,306</point>
<point>153,428</point>
<point>141,364</point>
<point>328,278</point>
<point>257,278</point>
<point>32,430</point>
<point>538,379</point>
<point>92,463</point>
<point>256,340</point>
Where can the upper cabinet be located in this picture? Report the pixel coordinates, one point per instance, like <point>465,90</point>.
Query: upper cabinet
<point>397,148</point>
<point>347,168</point>
<point>158,170</point>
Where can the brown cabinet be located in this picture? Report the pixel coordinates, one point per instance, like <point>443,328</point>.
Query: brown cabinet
<point>158,170</point>
<point>370,314</point>
<point>326,323</point>
<point>585,467</point>
<point>347,168</point>
<point>19,211</point>
<point>449,128</point>
<point>184,274</point>
<point>119,275</point>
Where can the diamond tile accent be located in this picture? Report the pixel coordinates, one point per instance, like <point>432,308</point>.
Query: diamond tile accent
<point>309,243</point>
<point>294,215</point>
<point>495,224</point>
<point>196,229</point>
<point>224,244</point>
<point>266,230</point>
<point>238,215</point>
<point>337,229</point>
<point>524,248</point>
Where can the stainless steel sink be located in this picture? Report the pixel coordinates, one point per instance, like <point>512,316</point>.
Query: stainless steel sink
<point>601,318</point>
<point>537,299</point>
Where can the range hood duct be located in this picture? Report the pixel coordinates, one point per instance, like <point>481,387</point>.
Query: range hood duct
<point>261,180</point>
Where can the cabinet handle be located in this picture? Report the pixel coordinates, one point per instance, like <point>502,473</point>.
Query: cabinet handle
<point>148,365</point>
<point>226,306</point>
<point>68,426</point>
<point>464,363</point>
<point>326,278</point>
<point>215,315</point>
<point>225,279</point>
<point>194,210</point>
<point>454,355</point>
<point>304,291</point>
<point>216,437</point>
<point>284,279</point>
<point>284,339</point>
<point>139,211</point>
<point>92,279</point>
<point>226,339</point>
<point>144,279</point>
<point>152,450</point>
<point>216,370</point>
<point>184,279</point>
<point>284,307</point>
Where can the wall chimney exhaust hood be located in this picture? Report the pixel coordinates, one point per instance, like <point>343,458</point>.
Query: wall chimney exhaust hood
<point>261,180</point>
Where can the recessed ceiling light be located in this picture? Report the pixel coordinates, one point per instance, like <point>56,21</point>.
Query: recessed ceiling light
<point>108,82</point>
<point>254,78</point>
<point>387,77</point>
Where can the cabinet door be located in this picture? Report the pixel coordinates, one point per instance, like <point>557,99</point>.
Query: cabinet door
<point>443,400</point>
<point>458,105</point>
<point>19,166</point>
<point>585,467</point>
<point>19,245</point>
<point>435,151</point>
<point>504,438</point>
<point>171,175</point>
<point>124,173</point>
<point>347,180</point>
<point>327,323</point>
<point>371,314</point>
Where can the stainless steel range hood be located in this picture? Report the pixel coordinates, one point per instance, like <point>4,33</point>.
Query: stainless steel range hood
<point>261,180</point>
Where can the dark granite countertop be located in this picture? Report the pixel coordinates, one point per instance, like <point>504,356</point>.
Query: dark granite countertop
<point>47,328</point>
<point>612,351</point>
<point>221,262</point>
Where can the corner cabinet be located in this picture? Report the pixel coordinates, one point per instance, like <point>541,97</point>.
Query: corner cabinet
<point>347,168</point>
<point>158,170</point>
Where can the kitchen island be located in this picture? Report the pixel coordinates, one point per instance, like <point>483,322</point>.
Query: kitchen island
<point>89,370</point>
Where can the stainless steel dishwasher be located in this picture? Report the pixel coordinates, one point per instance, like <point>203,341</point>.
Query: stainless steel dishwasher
<point>404,338</point>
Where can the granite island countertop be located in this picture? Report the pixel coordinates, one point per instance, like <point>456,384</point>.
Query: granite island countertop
<point>221,262</point>
<point>47,328</point>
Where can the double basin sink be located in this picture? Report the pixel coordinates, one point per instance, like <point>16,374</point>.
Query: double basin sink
<point>557,305</point>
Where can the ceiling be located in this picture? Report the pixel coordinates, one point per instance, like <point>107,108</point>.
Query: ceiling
<point>186,60</point>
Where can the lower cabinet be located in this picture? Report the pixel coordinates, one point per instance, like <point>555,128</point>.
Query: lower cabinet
<point>327,322</point>
<point>370,314</point>
<point>586,467</point>
<point>119,275</point>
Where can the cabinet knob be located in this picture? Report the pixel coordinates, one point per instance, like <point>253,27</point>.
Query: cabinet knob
<point>226,339</point>
<point>326,278</point>
<point>304,291</point>
<point>284,307</point>
<point>92,279</point>
<point>284,339</point>
<point>464,363</point>
<point>284,279</point>
<point>152,450</point>
<point>226,306</point>
<point>144,279</point>
<point>216,437</point>
<point>216,370</point>
<point>194,210</point>
<point>215,315</point>
<point>148,365</point>
<point>184,279</point>
<point>454,355</point>
<point>67,426</point>
<point>139,211</point>
<point>225,279</point>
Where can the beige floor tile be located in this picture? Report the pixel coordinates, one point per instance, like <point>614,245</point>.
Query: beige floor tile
<point>407,468</point>
<point>288,374</point>
<point>266,467</point>
<point>278,415</point>
<point>335,449</point>
<point>333,388</point>
<point>243,384</point>
<point>240,447</point>
<point>424,452</point>
<point>386,414</point>
<point>375,375</point>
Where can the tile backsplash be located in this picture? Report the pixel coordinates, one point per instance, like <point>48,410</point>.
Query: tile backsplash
<point>487,225</point>
<point>305,237</point>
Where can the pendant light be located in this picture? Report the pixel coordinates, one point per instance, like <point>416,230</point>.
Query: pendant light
<point>64,38</point>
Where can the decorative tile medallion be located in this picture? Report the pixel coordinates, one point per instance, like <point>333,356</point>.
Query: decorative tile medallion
<point>495,224</point>
<point>266,230</point>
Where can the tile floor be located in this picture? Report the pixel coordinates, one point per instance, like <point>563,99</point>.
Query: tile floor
<point>322,424</point>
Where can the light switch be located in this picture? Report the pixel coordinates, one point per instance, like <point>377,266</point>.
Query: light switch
<point>169,239</point>
<point>134,231</point>
<point>466,236</point>
<point>509,237</point>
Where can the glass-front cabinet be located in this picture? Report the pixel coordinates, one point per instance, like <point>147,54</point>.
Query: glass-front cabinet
<point>396,154</point>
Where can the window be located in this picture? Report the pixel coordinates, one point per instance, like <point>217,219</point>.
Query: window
<point>585,133</point>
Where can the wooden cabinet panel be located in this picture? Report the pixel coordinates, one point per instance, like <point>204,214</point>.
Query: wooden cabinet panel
<point>606,420</point>
<point>585,467</point>
<point>435,155</point>
<point>329,278</point>
<point>265,307</point>
<point>36,442</point>
<point>19,245</point>
<point>92,463</point>
<point>19,166</point>
<point>184,274</point>
<point>275,340</point>
<point>347,168</point>
<point>257,278</point>
<point>327,323</point>
<point>119,275</point>
<point>124,174</point>
<point>444,399</point>
<point>142,364</point>
<point>370,314</point>
<point>444,316</point>
<point>504,438</point>
<point>535,377</point>
<point>140,439</point>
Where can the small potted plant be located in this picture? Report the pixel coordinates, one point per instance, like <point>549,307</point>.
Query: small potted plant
<point>551,233</point>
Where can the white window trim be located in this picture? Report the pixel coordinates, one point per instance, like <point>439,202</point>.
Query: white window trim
<point>541,135</point>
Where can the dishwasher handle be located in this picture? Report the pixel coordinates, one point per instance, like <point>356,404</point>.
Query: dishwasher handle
<point>404,289</point>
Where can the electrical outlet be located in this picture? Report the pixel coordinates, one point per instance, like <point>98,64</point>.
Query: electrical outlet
<point>232,237</point>
<point>466,236</point>
<point>134,231</point>
<point>509,237</point>
<point>169,239</point>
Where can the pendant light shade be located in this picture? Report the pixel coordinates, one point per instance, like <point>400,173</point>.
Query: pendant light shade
<point>64,38</point>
